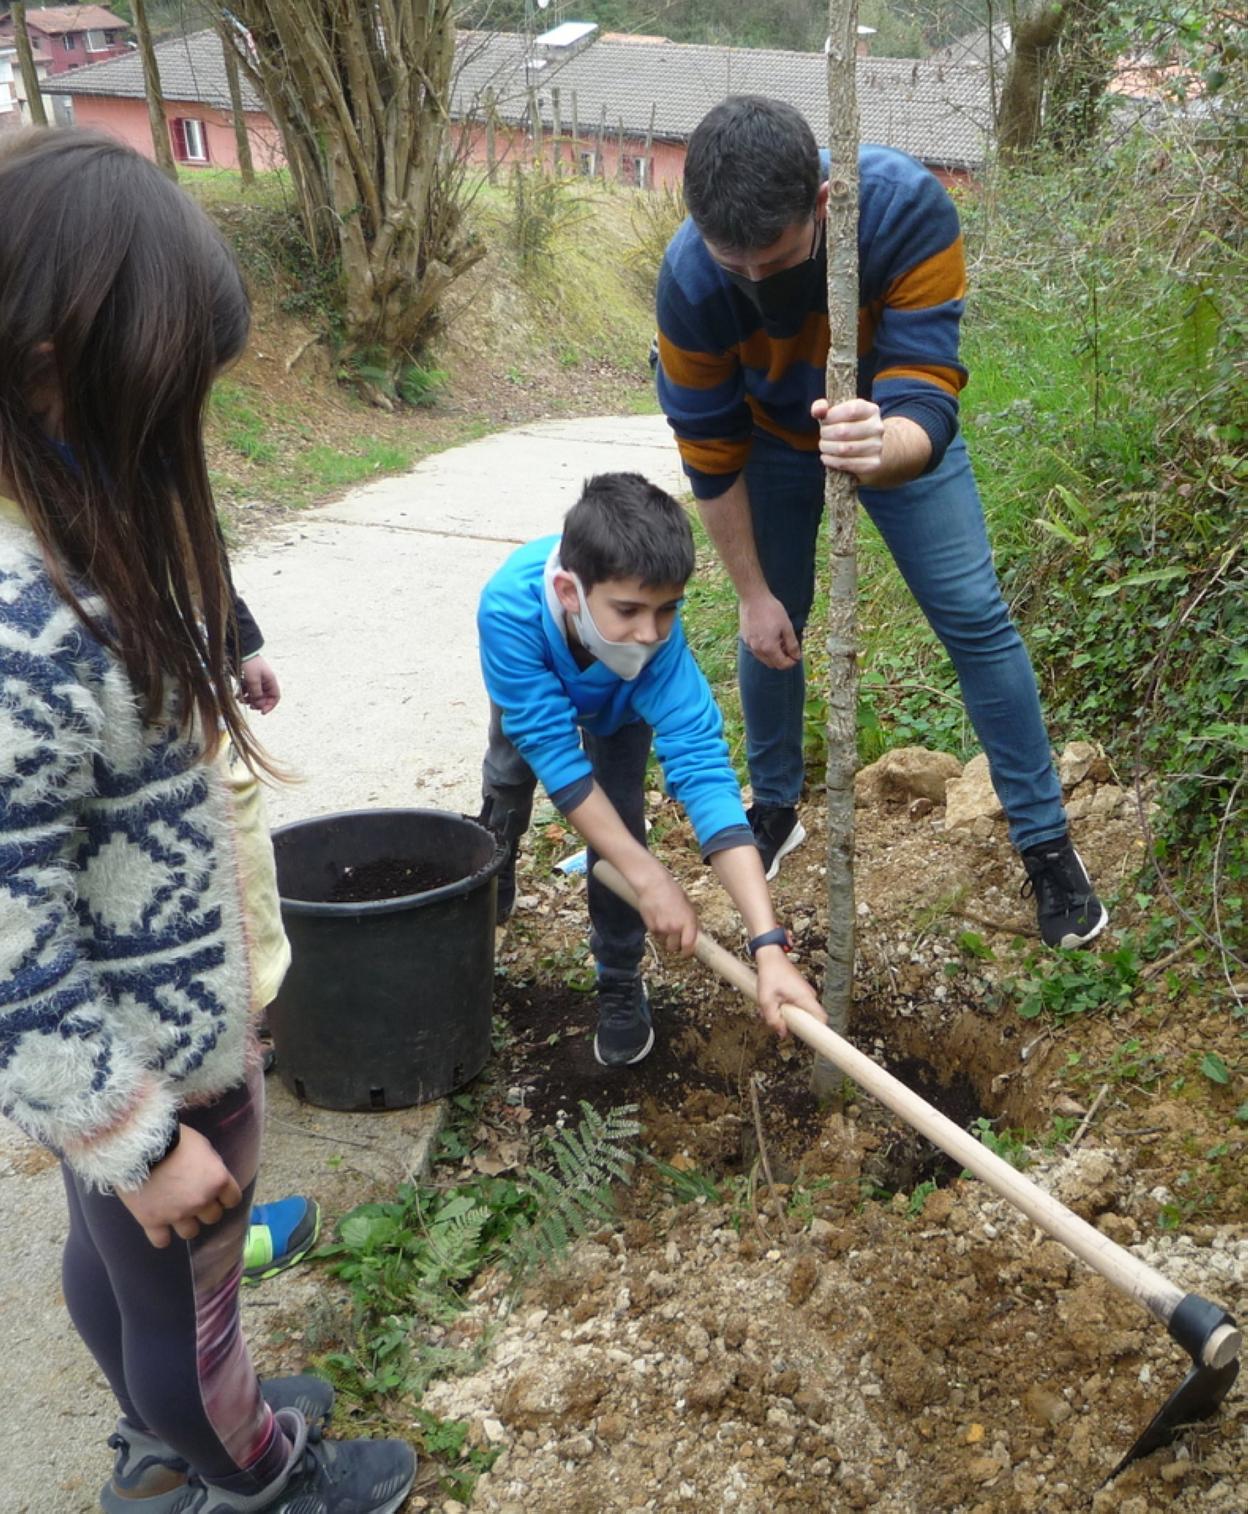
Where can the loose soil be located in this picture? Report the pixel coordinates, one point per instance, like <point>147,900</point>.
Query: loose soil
<point>388,878</point>
<point>909,1354</point>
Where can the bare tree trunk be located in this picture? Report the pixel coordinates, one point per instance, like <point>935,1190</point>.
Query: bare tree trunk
<point>151,88</point>
<point>535,124</point>
<point>359,91</point>
<point>242,137</point>
<point>600,167</point>
<point>1021,112</point>
<point>842,509</point>
<point>576,137</point>
<point>26,65</point>
<point>646,174</point>
<point>491,154</point>
<point>556,132</point>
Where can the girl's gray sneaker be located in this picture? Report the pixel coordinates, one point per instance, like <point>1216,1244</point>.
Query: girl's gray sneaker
<point>324,1477</point>
<point>150,1478</point>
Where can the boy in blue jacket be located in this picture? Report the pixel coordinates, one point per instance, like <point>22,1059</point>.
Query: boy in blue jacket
<point>585,663</point>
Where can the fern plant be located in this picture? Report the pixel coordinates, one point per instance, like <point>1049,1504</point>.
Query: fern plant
<point>576,1196</point>
<point>408,1262</point>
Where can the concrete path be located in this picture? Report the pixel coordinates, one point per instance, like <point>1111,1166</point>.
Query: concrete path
<point>368,606</point>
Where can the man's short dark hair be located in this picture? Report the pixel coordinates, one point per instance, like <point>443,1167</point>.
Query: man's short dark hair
<point>751,171</point>
<point>623,526</point>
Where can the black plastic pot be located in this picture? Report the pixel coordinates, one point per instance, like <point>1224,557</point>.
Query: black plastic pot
<point>386,1003</point>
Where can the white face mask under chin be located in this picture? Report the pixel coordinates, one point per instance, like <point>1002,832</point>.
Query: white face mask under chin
<point>625,659</point>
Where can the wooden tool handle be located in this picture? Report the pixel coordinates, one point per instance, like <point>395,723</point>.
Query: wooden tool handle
<point>1127,1273</point>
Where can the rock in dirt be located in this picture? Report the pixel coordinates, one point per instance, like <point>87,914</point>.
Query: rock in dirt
<point>1080,760</point>
<point>1045,1406</point>
<point>971,797</point>
<point>905,773</point>
<point>802,1279</point>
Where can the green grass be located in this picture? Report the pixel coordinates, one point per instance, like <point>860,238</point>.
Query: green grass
<point>242,427</point>
<point>328,468</point>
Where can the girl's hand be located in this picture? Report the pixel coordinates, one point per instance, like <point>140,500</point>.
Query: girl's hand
<point>261,690</point>
<point>779,982</point>
<point>192,1187</point>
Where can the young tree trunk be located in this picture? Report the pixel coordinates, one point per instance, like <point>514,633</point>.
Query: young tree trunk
<point>359,91</point>
<point>242,137</point>
<point>151,88</point>
<point>26,65</point>
<point>842,508</point>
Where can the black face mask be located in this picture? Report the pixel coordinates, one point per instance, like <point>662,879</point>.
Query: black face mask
<point>782,293</point>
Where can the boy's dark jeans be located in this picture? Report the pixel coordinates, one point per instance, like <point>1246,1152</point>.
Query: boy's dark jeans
<point>617,934</point>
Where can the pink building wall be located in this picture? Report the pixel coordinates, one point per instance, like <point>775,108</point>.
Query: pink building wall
<point>127,119</point>
<point>513,145</point>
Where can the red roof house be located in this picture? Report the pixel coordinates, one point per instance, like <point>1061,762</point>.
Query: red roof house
<point>70,35</point>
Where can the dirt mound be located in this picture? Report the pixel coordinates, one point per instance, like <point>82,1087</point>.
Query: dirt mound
<point>931,1351</point>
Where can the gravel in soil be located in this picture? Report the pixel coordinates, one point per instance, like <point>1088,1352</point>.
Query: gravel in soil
<point>903,1354</point>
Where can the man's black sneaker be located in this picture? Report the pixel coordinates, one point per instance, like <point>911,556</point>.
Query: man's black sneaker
<point>1067,909</point>
<point>777,832</point>
<point>625,1034</point>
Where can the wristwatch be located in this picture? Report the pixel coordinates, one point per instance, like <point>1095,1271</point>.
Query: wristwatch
<point>777,936</point>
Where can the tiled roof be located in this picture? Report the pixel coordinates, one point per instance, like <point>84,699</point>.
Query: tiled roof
<point>56,20</point>
<point>191,68</point>
<point>938,113</point>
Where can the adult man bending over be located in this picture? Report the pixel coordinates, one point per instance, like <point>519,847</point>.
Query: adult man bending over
<point>742,347</point>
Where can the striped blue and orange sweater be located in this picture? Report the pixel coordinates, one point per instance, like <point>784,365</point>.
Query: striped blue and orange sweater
<point>725,375</point>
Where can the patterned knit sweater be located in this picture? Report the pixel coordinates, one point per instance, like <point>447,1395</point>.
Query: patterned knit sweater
<point>125,980</point>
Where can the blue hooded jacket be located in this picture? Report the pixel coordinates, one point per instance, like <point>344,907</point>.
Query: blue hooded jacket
<point>545,699</point>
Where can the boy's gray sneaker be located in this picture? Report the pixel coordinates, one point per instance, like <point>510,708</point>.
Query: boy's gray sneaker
<point>150,1478</point>
<point>625,1034</point>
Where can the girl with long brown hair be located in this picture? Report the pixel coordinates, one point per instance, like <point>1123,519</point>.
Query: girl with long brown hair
<point>130,956</point>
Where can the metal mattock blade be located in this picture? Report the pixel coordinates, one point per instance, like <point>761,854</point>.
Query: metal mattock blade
<point>1197,1397</point>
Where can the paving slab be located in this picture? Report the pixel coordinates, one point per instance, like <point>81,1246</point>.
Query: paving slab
<point>368,606</point>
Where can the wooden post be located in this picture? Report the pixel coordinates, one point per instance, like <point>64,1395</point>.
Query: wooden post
<point>491,159</point>
<point>600,170</point>
<point>647,175</point>
<point>535,122</point>
<point>842,509</point>
<point>556,131</point>
<point>576,138</point>
<point>619,156</point>
<point>151,88</point>
<point>26,66</point>
<point>242,138</point>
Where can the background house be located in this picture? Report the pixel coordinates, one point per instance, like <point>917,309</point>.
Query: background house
<point>111,97</point>
<point>616,109</point>
<point>71,36</point>
<point>14,107</point>
<point>626,108</point>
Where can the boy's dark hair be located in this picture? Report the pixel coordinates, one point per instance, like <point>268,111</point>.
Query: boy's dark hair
<point>623,526</point>
<point>751,171</point>
<point>119,296</point>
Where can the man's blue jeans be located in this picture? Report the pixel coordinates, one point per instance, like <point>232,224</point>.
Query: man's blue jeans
<point>934,527</point>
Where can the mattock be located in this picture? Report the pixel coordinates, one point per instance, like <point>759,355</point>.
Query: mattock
<point>1205,1330</point>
